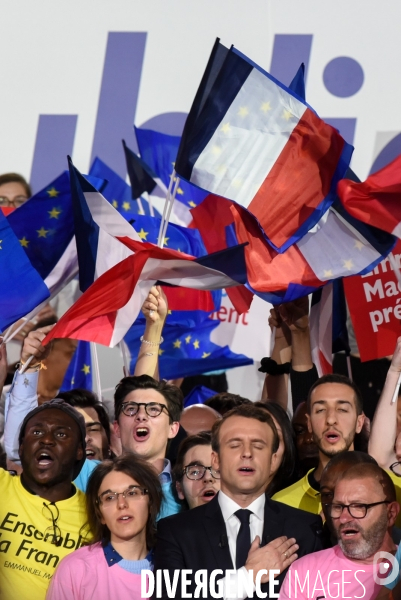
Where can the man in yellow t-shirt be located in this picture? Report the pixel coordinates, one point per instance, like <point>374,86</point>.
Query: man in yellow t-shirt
<point>335,415</point>
<point>42,514</point>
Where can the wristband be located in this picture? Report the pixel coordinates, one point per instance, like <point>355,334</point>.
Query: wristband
<point>38,367</point>
<point>151,343</point>
<point>270,367</point>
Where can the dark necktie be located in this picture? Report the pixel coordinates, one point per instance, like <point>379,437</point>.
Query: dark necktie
<point>243,537</point>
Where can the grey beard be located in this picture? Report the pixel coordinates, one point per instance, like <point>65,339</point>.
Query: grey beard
<point>371,541</point>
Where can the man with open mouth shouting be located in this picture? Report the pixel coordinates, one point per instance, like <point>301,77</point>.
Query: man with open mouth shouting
<point>42,514</point>
<point>196,481</point>
<point>335,416</point>
<point>362,512</point>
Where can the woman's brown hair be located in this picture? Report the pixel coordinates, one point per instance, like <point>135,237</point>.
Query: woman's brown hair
<point>143,474</point>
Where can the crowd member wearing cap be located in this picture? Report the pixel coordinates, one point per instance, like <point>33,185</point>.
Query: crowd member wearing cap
<point>123,499</point>
<point>42,513</point>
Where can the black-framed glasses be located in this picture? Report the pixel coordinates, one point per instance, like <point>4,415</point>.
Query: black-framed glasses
<point>152,409</point>
<point>133,492</point>
<point>16,202</point>
<point>356,510</point>
<point>396,468</point>
<point>196,472</point>
<point>51,513</point>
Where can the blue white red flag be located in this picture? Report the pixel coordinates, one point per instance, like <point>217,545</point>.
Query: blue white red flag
<point>97,224</point>
<point>260,145</point>
<point>377,200</point>
<point>106,311</point>
<point>338,246</point>
<point>99,227</point>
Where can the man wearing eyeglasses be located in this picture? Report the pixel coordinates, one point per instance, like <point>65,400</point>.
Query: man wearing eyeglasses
<point>363,512</point>
<point>196,481</point>
<point>147,414</point>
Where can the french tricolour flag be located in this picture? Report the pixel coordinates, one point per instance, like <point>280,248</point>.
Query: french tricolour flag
<point>97,224</point>
<point>99,227</point>
<point>256,142</point>
<point>377,200</point>
<point>338,246</point>
<point>106,311</point>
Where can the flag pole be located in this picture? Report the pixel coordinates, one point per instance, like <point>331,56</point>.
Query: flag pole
<point>397,389</point>
<point>170,208</point>
<point>96,370</point>
<point>123,350</point>
<point>140,206</point>
<point>160,238</point>
<point>349,367</point>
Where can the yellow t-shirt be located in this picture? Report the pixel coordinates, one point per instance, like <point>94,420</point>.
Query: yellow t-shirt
<point>301,495</point>
<point>397,484</point>
<point>27,556</point>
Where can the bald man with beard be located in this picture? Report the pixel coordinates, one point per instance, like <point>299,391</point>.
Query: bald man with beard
<point>363,512</point>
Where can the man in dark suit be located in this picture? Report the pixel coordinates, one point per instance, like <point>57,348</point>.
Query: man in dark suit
<point>241,528</point>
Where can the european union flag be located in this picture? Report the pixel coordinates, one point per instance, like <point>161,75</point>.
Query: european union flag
<point>178,238</point>
<point>187,351</point>
<point>79,372</point>
<point>117,191</point>
<point>159,152</point>
<point>21,286</point>
<point>198,395</point>
<point>44,225</point>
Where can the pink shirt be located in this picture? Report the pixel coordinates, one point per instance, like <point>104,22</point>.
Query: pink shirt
<point>329,574</point>
<point>85,575</point>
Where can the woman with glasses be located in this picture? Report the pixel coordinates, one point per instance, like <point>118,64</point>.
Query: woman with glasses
<point>195,481</point>
<point>123,499</point>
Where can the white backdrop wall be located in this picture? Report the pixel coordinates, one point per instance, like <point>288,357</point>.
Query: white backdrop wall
<point>53,56</point>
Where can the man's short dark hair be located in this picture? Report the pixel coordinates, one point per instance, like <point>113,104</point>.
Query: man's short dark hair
<point>225,401</point>
<point>171,393</point>
<point>82,398</point>
<point>337,378</point>
<point>249,411</point>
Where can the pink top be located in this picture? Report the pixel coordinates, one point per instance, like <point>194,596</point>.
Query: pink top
<point>329,574</point>
<point>85,575</point>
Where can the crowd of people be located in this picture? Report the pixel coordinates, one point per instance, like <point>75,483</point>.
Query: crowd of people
<point>231,498</point>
